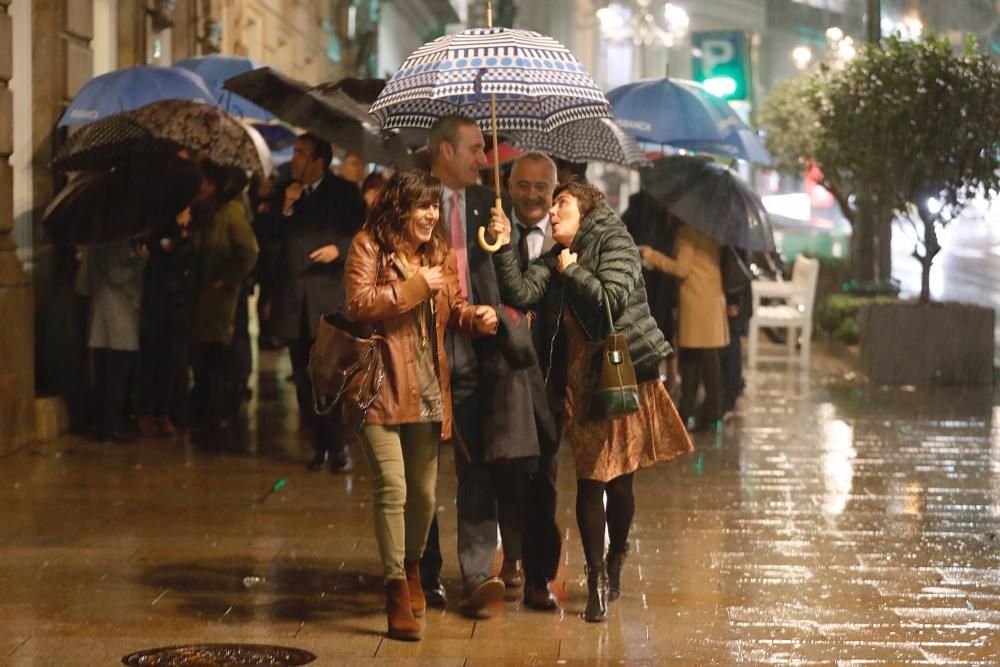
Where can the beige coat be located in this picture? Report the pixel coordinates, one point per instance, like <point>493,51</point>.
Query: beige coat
<point>703,320</point>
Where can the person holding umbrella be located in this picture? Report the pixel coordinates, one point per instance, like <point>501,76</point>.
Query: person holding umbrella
<point>716,208</point>
<point>401,277</point>
<point>486,458</point>
<point>703,322</point>
<point>595,266</point>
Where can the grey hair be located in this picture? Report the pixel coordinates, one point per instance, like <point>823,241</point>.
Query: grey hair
<point>536,156</point>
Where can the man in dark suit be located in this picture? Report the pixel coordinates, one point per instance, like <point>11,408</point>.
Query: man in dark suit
<point>528,525</point>
<point>485,460</point>
<point>319,217</point>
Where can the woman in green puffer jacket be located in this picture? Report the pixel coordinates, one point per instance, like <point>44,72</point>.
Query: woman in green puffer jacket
<point>595,260</point>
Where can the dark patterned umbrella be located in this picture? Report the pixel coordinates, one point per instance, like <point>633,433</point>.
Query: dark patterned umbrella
<point>593,140</point>
<point>161,127</point>
<point>122,201</point>
<point>712,198</point>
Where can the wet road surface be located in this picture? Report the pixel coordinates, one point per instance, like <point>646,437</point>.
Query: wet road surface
<point>828,523</point>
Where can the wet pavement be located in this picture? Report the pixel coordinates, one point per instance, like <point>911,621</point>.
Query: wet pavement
<point>828,523</point>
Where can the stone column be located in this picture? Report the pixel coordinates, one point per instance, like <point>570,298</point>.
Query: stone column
<point>17,419</point>
<point>62,62</point>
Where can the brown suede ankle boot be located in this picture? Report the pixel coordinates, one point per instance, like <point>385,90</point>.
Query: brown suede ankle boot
<point>402,624</point>
<point>417,601</point>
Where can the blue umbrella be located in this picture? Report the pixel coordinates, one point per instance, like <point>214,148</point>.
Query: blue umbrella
<point>215,70</point>
<point>277,135</point>
<point>682,114</point>
<point>131,88</point>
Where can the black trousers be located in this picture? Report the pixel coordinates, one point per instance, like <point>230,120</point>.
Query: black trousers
<point>162,356</point>
<point>701,366</point>
<point>525,511</point>
<point>213,383</point>
<point>732,365</point>
<point>113,371</point>
<point>242,354</point>
<point>326,431</point>
<point>542,538</point>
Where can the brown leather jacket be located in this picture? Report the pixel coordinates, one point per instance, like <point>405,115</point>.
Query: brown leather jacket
<point>387,305</point>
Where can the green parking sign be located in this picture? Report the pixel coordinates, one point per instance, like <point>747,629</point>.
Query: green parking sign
<point>722,63</point>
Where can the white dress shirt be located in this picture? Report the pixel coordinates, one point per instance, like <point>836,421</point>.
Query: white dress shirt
<point>536,236</point>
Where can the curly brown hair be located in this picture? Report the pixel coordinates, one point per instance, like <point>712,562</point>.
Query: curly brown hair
<point>405,191</point>
<point>587,196</point>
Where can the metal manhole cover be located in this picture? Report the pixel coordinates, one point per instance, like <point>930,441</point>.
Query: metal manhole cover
<point>220,655</point>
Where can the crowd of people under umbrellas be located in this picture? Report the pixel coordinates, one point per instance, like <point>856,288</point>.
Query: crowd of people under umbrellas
<point>399,252</point>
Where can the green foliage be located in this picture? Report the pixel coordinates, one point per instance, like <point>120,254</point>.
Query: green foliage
<point>908,120</point>
<point>902,122</point>
<point>839,315</point>
<point>790,124</point>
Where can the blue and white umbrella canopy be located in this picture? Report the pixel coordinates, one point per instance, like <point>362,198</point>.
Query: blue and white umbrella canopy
<point>539,84</point>
<point>591,140</point>
<point>131,88</point>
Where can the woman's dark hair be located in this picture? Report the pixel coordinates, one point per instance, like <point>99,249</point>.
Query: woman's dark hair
<point>405,191</point>
<point>587,196</point>
<point>373,181</point>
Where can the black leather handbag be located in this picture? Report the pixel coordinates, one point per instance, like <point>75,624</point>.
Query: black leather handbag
<point>617,392</point>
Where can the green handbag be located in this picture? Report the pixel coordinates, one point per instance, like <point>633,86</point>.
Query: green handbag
<point>617,392</point>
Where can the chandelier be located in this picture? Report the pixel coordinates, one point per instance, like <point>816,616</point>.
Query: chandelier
<point>642,23</point>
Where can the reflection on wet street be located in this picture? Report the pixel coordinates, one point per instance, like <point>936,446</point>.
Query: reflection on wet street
<point>829,522</point>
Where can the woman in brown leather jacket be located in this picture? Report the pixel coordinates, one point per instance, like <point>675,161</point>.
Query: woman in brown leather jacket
<point>401,277</point>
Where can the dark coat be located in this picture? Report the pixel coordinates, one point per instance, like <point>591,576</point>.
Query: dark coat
<point>512,419</point>
<point>331,215</point>
<point>169,282</point>
<point>607,267</point>
<point>650,224</point>
<point>227,251</point>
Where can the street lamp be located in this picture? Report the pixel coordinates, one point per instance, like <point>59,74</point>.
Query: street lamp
<point>909,27</point>
<point>802,56</point>
<point>635,21</point>
<point>842,47</point>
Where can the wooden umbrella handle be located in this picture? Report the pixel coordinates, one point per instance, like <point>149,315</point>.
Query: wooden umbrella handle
<point>492,247</point>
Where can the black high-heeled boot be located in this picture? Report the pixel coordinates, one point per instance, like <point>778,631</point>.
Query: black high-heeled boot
<point>597,594</point>
<point>616,560</point>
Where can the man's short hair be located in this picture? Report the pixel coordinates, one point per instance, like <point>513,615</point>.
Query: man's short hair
<point>321,149</point>
<point>536,156</point>
<point>445,130</point>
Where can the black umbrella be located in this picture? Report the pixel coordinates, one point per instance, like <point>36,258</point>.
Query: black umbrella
<point>162,127</point>
<point>327,111</point>
<point>123,201</point>
<point>712,198</point>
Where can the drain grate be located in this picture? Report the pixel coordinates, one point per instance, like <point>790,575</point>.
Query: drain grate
<point>220,655</point>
